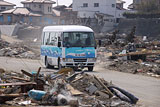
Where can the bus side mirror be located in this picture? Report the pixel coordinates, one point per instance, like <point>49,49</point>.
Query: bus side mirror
<point>59,44</point>
<point>99,43</point>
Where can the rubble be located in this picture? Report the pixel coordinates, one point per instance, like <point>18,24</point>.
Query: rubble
<point>74,89</point>
<point>17,50</point>
<point>130,53</point>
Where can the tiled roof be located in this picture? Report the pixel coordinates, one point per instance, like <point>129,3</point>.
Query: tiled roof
<point>21,11</point>
<point>38,1</point>
<point>4,3</point>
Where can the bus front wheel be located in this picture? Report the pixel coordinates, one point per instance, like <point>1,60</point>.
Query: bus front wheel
<point>90,68</point>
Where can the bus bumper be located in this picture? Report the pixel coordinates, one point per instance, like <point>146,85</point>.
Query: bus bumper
<point>75,63</point>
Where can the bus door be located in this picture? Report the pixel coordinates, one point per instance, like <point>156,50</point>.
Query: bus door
<point>54,47</point>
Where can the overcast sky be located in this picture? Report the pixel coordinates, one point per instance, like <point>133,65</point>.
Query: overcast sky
<point>65,2</point>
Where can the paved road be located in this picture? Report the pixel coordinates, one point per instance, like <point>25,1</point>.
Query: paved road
<point>147,89</point>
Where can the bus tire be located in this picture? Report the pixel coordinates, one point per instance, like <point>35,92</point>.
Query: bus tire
<point>47,64</point>
<point>90,68</point>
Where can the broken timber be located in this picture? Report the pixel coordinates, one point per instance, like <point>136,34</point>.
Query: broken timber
<point>99,81</point>
<point>23,85</point>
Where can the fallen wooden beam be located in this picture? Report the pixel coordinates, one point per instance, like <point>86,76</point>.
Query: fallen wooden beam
<point>99,81</point>
<point>26,73</point>
<point>18,78</point>
<point>13,95</point>
<point>18,84</point>
<point>38,72</point>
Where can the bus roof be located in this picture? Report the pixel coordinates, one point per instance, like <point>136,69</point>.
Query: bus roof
<point>67,28</point>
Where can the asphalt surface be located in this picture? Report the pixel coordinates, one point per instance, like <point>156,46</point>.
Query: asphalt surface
<point>147,89</point>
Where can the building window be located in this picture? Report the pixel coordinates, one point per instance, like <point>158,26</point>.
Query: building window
<point>35,5</point>
<point>9,18</point>
<point>96,4</point>
<point>85,4</point>
<point>30,19</point>
<point>3,8</point>
<point>40,6</point>
<point>22,19</point>
<point>113,5</point>
<point>49,9</point>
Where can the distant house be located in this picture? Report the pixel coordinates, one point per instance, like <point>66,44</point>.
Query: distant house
<point>37,12</point>
<point>88,8</point>
<point>20,14</point>
<point>6,5</point>
<point>43,6</point>
<point>66,15</point>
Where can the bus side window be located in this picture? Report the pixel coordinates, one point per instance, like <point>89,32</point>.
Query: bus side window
<point>43,37</point>
<point>53,39</point>
<point>59,37</point>
<point>46,38</point>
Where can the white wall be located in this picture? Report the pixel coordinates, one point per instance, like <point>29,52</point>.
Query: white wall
<point>105,6</point>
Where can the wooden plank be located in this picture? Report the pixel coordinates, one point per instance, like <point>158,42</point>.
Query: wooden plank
<point>26,73</point>
<point>13,95</point>
<point>13,77</point>
<point>99,81</point>
<point>38,72</point>
<point>18,84</point>
<point>74,91</point>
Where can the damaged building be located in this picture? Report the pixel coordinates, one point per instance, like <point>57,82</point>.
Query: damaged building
<point>109,10</point>
<point>4,5</point>
<point>33,11</point>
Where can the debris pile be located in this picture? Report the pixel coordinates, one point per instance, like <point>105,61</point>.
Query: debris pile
<point>130,53</point>
<point>16,50</point>
<point>62,88</point>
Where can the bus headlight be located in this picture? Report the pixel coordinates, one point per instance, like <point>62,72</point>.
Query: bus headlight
<point>68,60</point>
<point>91,59</point>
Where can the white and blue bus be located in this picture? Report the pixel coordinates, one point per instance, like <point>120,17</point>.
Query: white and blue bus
<point>68,46</point>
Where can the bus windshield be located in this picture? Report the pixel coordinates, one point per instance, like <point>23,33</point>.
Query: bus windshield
<point>78,39</point>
